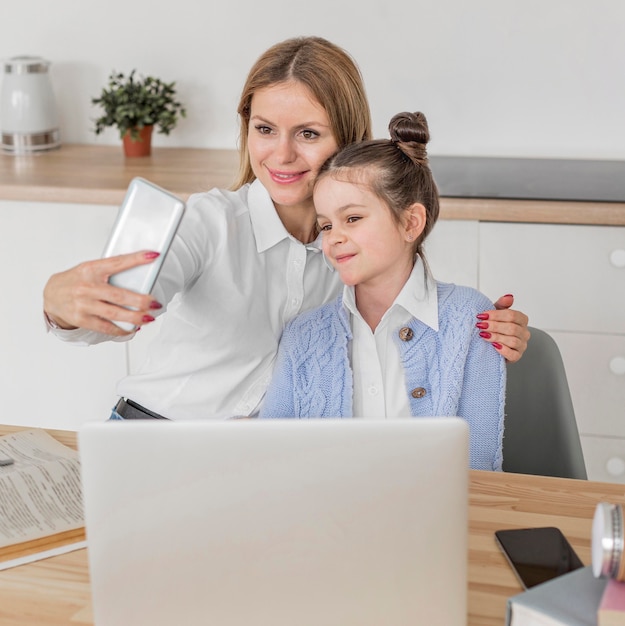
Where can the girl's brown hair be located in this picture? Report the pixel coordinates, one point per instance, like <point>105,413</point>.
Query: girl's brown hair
<point>330,74</point>
<point>396,170</point>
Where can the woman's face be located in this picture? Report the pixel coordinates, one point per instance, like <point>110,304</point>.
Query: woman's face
<point>289,138</point>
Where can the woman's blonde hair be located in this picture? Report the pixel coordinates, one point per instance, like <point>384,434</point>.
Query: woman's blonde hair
<point>330,74</point>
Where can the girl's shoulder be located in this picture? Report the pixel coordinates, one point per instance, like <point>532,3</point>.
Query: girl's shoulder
<point>451,295</point>
<point>327,314</point>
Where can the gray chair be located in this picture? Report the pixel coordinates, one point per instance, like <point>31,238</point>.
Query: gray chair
<point>541,435</point>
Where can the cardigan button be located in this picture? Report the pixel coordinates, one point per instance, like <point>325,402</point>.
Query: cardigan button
<point>419,392</point>
<point>405,333</point>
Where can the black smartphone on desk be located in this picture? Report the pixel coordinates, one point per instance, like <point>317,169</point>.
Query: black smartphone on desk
<point>537,554</point>
<point>147,220</point>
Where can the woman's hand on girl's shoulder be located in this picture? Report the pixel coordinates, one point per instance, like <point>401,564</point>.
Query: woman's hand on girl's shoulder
<point>505,329</point>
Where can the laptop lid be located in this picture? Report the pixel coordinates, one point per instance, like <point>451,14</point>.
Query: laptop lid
<point>278,522</point>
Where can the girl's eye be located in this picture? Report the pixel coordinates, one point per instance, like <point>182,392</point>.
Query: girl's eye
<point>325,227</point>
<point>353,218</point>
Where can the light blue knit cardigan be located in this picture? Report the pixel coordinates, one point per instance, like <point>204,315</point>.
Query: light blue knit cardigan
<point>461,373</point>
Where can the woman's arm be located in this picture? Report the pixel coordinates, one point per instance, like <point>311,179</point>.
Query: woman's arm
<point>505,329</point>
<point>81,297</point>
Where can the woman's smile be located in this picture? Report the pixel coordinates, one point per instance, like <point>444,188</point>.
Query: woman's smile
<point>289,138</point>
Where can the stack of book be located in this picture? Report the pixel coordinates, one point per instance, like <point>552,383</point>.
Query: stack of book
<point>573,599</point>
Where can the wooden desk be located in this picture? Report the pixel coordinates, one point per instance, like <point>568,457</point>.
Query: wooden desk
<point>55,592</point>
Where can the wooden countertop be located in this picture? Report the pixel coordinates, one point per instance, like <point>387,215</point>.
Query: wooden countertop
<point>94,174</point>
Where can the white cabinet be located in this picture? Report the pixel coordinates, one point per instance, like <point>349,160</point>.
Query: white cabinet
<point>570,280</point>
<point>564,277</point>
<point>451,250</point>
<point>45,382</point>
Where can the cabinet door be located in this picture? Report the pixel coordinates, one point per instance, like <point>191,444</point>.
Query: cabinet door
<point>45,382</point>
<point>595,369</point>
<point>452,251</point>
<point>564,277</point>
<point>604,458</point>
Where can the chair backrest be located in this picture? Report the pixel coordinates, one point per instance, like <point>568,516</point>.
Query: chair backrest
<point>541,435</point>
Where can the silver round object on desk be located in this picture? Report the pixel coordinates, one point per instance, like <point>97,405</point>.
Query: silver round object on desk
<point>28,113</point>
<point>607,542</point>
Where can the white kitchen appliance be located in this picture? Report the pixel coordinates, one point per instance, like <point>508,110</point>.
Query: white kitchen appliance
<point>28,113</point>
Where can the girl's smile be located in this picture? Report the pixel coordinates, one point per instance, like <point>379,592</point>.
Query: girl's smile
<point>361,238</point>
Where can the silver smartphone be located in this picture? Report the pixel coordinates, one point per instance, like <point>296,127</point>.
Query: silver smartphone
<point>147,220</point>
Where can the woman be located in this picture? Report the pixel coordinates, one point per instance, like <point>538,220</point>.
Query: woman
<point>244,261</point>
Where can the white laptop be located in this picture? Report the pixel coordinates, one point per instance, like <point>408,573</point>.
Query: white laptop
<point>277,522</point>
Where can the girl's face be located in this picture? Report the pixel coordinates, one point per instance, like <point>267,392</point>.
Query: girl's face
<point>361,238</point>
<point>289,138</point>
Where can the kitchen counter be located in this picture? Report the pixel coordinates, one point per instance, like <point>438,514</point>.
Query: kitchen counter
<point>485,189</point>
<point>93,174</point>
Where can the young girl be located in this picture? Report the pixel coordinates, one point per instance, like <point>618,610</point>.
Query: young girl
<point>395,343</point>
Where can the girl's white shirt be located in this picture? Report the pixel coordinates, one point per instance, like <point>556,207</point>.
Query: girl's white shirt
<point>379,379</point>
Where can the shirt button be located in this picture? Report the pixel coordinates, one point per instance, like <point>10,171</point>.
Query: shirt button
<point>294,302</point>
<point>297,263</point>
<point>373,391</point>
<point>419,392</point>
<point>405,333</point>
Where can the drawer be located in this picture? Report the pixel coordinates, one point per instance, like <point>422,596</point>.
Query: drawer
<point>604,458</point>
<point>595,368</point>
<point>564,277</point>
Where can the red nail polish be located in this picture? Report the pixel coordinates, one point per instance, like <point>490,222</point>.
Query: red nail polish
<point>155,305</point>
<point>482,325</point>
<point>152,255</point>
<point>482,316</point>
<point>148,318</point>
<point>496,345</point>
<point>485,335</point>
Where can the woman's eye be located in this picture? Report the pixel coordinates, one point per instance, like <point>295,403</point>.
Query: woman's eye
<point>263,130</point>
<point>310,134</point>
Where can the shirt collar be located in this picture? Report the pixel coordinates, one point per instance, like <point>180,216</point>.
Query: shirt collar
<point>266,223</point>
<point>418,297</point>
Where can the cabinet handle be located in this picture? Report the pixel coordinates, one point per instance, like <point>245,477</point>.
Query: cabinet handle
<point>615,466</point>
<point>617,365</point>
<point>617,258</point>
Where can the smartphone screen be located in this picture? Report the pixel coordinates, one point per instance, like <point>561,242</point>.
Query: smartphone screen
<point>147,220</point>
<point>537,554</point>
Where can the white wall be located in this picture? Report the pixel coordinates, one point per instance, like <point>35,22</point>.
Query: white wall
<point>541,78</point>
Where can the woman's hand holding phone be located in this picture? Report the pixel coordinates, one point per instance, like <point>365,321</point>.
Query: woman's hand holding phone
<point>111,295</point>
<point>82,296</point>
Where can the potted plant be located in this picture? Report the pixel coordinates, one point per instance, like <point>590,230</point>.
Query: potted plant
<point>135,104</point>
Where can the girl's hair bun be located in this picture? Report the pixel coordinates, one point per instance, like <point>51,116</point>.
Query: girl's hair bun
<point>409,131</point>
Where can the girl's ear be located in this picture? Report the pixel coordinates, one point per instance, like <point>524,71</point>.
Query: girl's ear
<point>414,221</point>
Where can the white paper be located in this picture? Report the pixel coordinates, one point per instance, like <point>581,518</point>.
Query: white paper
<point>40,493</point>
<point>45,554</point>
